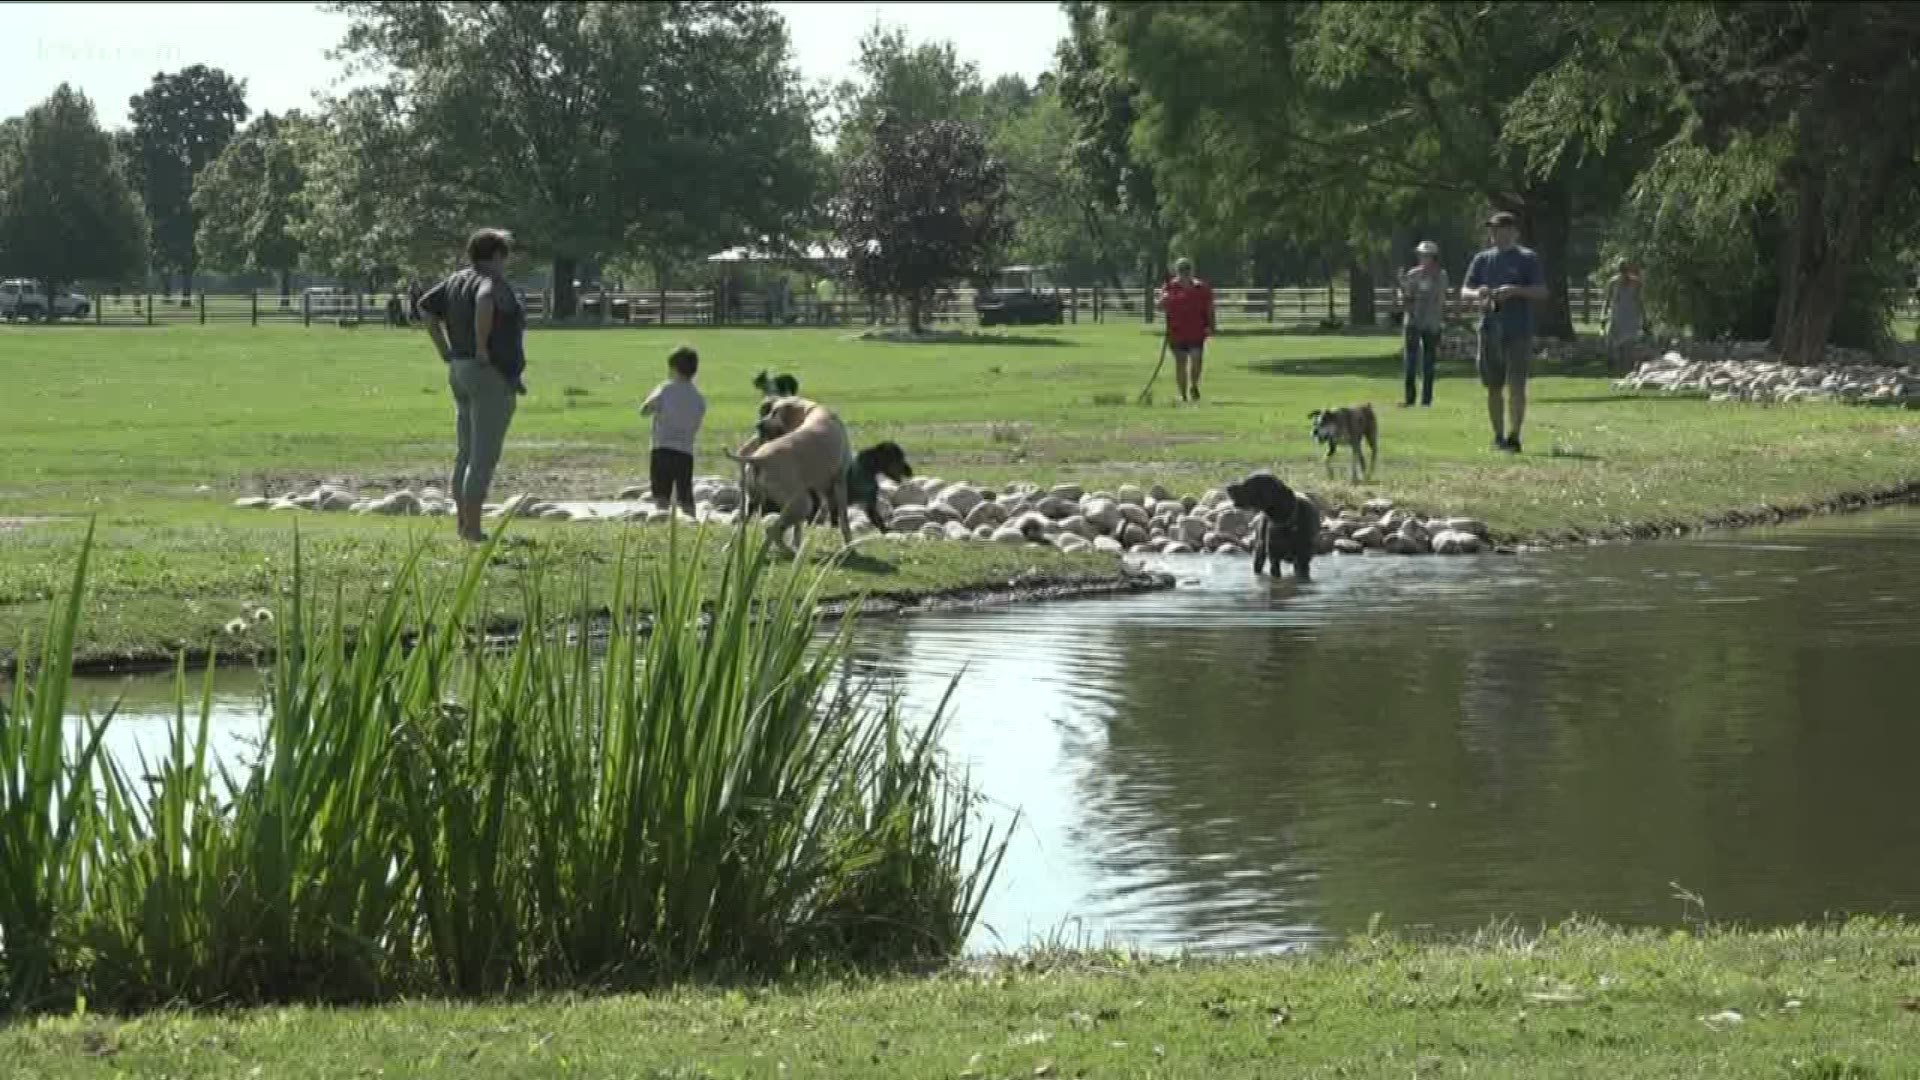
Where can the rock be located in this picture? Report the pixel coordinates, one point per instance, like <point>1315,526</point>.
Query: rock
<point>987,513</point>
<point>1471,526</point>
<point>1192,530</point>
<point>1078,526</point>
<point>309,501</point>
<point>1453,542</point>
<point>1413,539</point>
<point>399,504</point>
<point>1108,545</point>
<point>1346,546</point>
<point>252,503</point>
<point>517,504</point>
<point>1133,534</point>
<point>1168,508</point>
<point>1102,514</point>
<point>1008,535</point>
<point>1070,543</point>
<point>1370,536</point>
<point>1135,514</point>
<point>931,531</point>
<point>960,499</point>
<point>1233,549</point>
<point>1234,522</point>
<point>1035,525</point>
<point>1400,545</point>
<point>634,491</point>
<point>1213,498</point>
<point>1151,547</point>
<point>956,531</point>
<point>340,500</point>
<point>908,520</point>
<point>1057,507</point>
<point>1376,507</point>
<point>908,493</point>
<point>940,513</point>
<point>1323,543</point>
<point>985,532</point>
<point>1157,493</point>
<point>726,497</point>
<point>284,504</point>
<point>1187,504</point>
<point>1069,492</point>
<point>556,513</point>
<point>1177,549</point>
<point>1131,495</point>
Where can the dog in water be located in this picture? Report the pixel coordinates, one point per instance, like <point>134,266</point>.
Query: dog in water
<point>799,448</point>
<point>1349,427</point>
<point>1286,528</point>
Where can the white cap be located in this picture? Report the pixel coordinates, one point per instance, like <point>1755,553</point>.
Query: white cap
<point>1428,247</point>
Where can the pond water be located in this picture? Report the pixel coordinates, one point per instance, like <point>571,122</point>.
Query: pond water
<point>1444,742</point>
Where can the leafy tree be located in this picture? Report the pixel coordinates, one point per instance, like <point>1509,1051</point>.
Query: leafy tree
<point>912,84</point>
<point>66,212</point>
<point>592,128</point>
<point>369,207</point>
<point>1810,112</point>
<point>924,206</point>
<point>247,198</point>
<point>181,123</point>
<point>1104,102</point>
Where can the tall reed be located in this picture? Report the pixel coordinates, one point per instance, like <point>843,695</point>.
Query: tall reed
<point>692,791</point>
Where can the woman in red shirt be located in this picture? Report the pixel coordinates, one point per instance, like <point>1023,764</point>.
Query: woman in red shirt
<point>1188,303</point>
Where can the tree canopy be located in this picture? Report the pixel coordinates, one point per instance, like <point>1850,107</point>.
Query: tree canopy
<point>246,200</point>
<point>67,213</point>
<point>181,123</point>
<point>922,207</point>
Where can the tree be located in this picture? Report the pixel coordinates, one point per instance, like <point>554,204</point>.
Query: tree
<point>912,84</point>
<point>181,123</point>
<point>246,200</point>
<point>66,212</point>
<point>1825,99</point>
<point>590,129</point>
<point>924,206</point>
<point>1105,103</point>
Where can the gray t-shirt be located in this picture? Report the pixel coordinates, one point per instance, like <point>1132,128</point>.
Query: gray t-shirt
<point>678,410</point>
<point>1426,298</point>
<point>457,298</point>
<point>1493,268</point>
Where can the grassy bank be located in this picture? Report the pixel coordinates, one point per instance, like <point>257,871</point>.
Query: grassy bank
<point>1830,1004</point>
<point>158,430</point>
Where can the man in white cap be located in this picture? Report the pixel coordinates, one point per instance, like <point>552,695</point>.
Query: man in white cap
<point>1423,305</point>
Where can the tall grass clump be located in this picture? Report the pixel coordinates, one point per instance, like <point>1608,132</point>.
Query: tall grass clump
<point>673,781</point>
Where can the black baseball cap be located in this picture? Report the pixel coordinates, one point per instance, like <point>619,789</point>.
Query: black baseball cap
<point>1503,218</point>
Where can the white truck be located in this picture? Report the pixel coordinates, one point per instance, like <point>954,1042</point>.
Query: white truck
<point>23,299</point>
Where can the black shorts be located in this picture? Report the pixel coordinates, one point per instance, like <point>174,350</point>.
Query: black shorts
<point>672,476</point>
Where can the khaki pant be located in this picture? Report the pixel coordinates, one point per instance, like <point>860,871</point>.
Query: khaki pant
<point>483,405</point>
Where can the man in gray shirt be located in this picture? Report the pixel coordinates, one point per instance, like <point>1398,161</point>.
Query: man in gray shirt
<point>1505,280</point>
<point>1423,300</point>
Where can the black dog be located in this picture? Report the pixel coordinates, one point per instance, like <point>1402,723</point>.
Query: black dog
<point>773,387</point>
<point>1288,526</point>
<point>863,480</point>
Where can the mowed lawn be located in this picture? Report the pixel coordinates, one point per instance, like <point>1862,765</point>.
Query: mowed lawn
<point>156,431</point>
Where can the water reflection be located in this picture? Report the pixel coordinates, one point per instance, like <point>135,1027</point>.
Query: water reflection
<point>1244,764</point>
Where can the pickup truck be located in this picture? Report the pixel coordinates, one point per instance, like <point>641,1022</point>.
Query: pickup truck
<point>23,299</point>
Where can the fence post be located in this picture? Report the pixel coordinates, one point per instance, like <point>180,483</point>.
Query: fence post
<point>203,309</point>
<point>253,300</point>
<point>306,309</point>
<point>1330,287</point>
<point>1269,303</point>
<point>1146,304</point>
<point>149,309</point>
<point>663,305</point>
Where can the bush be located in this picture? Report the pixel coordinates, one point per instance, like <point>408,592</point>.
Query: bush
<point>704,793</point>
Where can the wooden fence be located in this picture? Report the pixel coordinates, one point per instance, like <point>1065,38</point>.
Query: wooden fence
<point>1290,307</point>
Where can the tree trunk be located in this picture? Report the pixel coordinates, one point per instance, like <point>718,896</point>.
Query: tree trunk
<point>1546,226</point>
<point>1814,275</point>
<point>916,308</point>
<point>564,300</point>
<point>1359,295</point>
<point>286,285</point>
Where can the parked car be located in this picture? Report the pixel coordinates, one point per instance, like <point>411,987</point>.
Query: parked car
<point>23,299</point>
<point>1019,296</point>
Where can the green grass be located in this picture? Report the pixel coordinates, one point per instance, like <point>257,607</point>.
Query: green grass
<point>709,795</point>
<point>1578,1002</point>
<point>131,424</point>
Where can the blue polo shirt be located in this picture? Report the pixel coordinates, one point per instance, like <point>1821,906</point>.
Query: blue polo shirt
<point>1493,268</point>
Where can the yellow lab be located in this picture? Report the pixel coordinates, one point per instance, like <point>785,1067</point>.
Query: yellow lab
<point>801,448</point>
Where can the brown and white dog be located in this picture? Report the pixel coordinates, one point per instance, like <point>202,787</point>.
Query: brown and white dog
<point>1350,427</point>
<point>801,448</point>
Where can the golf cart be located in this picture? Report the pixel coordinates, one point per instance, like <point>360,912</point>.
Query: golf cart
<point>1019,296</point>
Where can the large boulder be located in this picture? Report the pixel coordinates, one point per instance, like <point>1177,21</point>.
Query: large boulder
<point>1108,545</point>
<point>957,531</point>
<point>931,531</point>
<point>1192,530</point>
<point>726,497</point>
<point>1347,546</point>
<point>1178,549</point>
<point>1136,514</point>
<point>1078,526</point>
<point>399,504</point>
<point>1369,536</point>
<point>908,519</point>
<point>987,513</point>
<point>634,491</point>
<point>1133,533</point>
<point>1455,542</point>
<point>1131,495</point>
<point>1376,507</point>
<point>1169,507</point>
<point>1471,526</point>
<point>1159,493</point>
<point>1070,543</point>
<point>1069,492</point>
<point>1234,522</point>
<point>909,493</point>
<point>959,498</point>
<point>1007,534</point>
<point>1057,508</point>
<point>1323,543</point>
<point>1102,514</point>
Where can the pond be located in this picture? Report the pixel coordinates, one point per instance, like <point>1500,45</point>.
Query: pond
<point>1241,764</point>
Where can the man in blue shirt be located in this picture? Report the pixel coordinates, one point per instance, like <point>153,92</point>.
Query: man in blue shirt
<point>1505,280</point>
